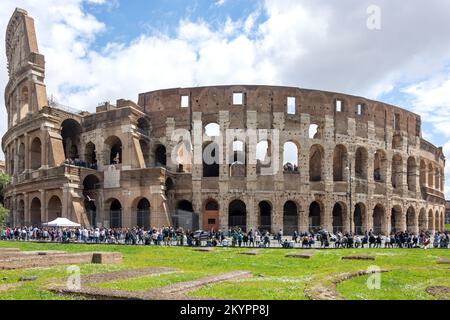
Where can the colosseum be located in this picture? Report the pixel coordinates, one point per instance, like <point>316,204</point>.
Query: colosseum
<point>216,157</point>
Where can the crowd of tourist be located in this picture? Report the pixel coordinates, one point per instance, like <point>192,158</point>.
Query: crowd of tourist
<point>80,163</point>
<point>169,236</point>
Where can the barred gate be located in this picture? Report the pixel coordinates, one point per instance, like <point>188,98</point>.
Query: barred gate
<point>185,219</point>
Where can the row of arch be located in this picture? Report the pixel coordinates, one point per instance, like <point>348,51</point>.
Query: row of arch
<point>410,220</point>
<point>430,175</point>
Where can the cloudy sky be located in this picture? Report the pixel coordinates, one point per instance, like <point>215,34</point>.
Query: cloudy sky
<point>102,50</point>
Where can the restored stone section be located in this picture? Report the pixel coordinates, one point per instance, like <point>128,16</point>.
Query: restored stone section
<point>34,261</point>
<point>336,161</point>
<point>359,257</point>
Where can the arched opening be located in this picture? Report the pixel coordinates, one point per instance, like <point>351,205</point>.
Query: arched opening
<point>12,161</point>
<point>113,150</point>
<point>21,158</point>
<point>211,160</point>
<point>430,221</point>
<point>237,215</point>
<point>143,214</point>
<point>115,214</point>
<point>54,208</point>
<point>423,174</point>
<point>437,221</point>
<point>314,131</point>
<point>378,219</point>
<point>211,216</point>
<point>411,220</point>
<point>35,156</point>
<point>91,212</point>
<point>212,130</point>
<point>358,218</point>
<point>290,157</point>
<point>423,223</point>
<point>90,155</point>
<point>143,126</point>
<point>160,156</point>
<point>396,219</point>
<point>21,213</point>
<point>170,185</point>
<point>24,103</point>
<point>290,218</point>
<point>380,166</point>
<point>340,159</point>
<point>35,212</point>
<point>183,156</point>
<point>437,183</point>
<point>338,218</point>
<point>238,161</point>
<point>411,173</point>
<point>145,148</point>
<point>316,163</point>
<point>265,216</point>
<point>91,184</point>
<point>314,217</point>
<point>430,176</point>
<point>71,134</point>
<point>263,155</point>
<point>397,172</point>
<point>397,141</point>
<point>185,217</point>
<point>361,163</point>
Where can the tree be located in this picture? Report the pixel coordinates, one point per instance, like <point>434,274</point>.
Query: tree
<point>4,213</point>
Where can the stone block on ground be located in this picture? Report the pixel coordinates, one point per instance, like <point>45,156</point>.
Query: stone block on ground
<point>444,260</point>
<point>300,255</point>
<point>31,278</point>
<point>107,257</point>
<point>249,253</point>
<point>207,249</point>
<point>359,257</point>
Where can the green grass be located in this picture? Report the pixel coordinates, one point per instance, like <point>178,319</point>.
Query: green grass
<point>274,276</point>
<point>447,227</point>
<point>397,285</point>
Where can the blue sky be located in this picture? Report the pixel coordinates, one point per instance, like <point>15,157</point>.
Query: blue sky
<point>103,50</point>
<point>126,20</point>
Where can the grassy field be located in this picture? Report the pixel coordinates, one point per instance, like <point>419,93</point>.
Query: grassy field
<point>447,227</point>
<point>274,275</point>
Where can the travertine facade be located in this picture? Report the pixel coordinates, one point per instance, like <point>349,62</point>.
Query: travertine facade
<point>325,159</point>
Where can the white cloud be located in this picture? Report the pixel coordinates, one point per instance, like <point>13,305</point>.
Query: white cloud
<point>220,3</point>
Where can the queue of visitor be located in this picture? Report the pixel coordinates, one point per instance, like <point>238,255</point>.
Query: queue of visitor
<point>169,236</point>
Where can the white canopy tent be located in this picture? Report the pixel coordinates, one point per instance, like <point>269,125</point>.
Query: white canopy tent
<point>61,222</point>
